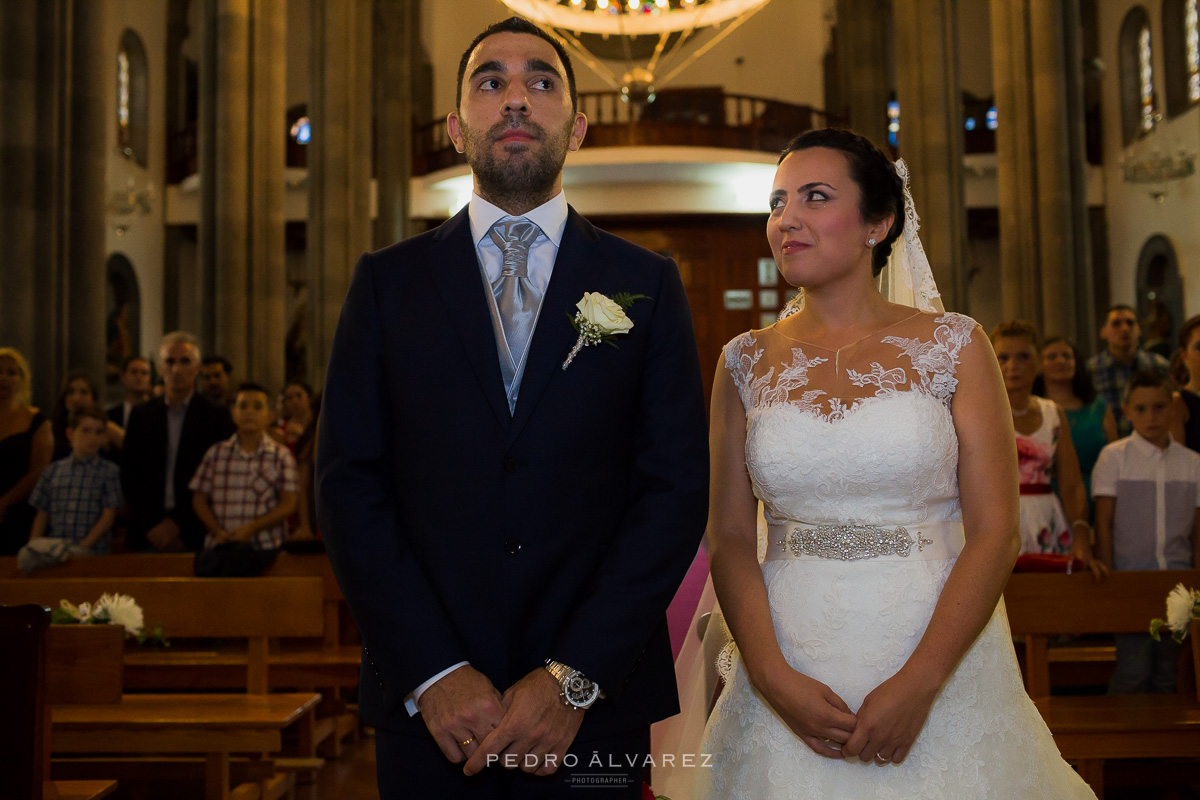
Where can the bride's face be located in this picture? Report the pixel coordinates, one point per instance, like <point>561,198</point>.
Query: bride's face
<point>816,231</point>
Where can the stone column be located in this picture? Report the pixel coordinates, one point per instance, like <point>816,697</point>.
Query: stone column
<point>268,274</point>
<point>931,135</point>
<point>1040,166</point>
<point>339,164</point>
<point>396,32</point>
<point>242,185</point>
<point>92,75</point>
<point>864,59</point>
<point>53,81</point>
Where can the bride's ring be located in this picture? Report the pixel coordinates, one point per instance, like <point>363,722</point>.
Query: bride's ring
<point>467,742</point>
<point>826,739</point>
<point>882,760</point>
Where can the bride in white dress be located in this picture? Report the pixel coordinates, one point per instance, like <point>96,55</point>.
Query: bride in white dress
<point>873,657</point>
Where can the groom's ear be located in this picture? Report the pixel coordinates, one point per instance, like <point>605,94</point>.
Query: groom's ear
<point>454,128</point>
<point>578,131</point>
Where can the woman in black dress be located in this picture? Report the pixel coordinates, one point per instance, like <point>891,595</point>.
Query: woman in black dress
<point>1185,416</point>
<point>25,448</point>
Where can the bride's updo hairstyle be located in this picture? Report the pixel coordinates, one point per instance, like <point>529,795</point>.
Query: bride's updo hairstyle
<point>879,187</point>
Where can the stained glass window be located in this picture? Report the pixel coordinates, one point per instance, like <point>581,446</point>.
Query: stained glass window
<point>1192,40</point>
<point>122,98</point>
<point>1146,73</point>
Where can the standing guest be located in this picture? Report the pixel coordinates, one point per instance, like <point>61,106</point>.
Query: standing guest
<point>508,512</point>
<point>1048,525</point>
<point>80,391</point>
<point>166,439</point>
<point>214,380</point>
<point>26,444</point>
<point>1069,385</point>
<point>297,413</point>
<point>1112,368</point>
<point>304,450</point>
<point>77,497</point>
<point>135,377</point>
<point>245,488</point>
<point>1185,411</point>
<point>1147,490</point>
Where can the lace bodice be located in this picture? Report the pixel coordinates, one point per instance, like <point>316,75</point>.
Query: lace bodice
<point>862,434</point>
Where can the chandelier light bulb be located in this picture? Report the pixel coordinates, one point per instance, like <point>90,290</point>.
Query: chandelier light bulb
<point>602,4</point>
<point>634,5</point>
<point>660,3</point>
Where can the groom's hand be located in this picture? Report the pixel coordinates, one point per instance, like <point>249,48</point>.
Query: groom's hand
<point>463,706</point>
<point>536,730</point>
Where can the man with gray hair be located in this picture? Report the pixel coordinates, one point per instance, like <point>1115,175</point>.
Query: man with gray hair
<point>164,443</point>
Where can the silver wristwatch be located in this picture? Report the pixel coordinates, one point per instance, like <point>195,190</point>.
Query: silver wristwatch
<point>577,690</point>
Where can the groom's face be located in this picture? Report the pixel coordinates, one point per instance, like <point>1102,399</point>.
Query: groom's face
<point>516,122</point>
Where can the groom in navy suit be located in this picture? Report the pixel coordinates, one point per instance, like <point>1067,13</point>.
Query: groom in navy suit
<point>508,514</point>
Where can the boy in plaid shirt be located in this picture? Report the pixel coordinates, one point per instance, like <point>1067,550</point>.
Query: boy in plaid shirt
<point>245,487</point>
<point>77,497</point>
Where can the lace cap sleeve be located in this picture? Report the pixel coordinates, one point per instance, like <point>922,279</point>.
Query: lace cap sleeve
<point>741,354</point>
<point>936,361</point>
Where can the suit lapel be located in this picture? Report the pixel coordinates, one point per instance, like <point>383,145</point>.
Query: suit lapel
<point>576,270</point>
<point>454,267</point>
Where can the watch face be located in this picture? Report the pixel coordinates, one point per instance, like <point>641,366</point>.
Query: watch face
<point>580,691</point>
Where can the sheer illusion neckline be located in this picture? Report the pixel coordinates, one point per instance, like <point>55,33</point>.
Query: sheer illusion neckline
<point>872,335</point>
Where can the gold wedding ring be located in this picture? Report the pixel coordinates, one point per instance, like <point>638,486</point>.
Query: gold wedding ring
<point>882,760</point>
<point>826,739</point>
<point>467,742</point>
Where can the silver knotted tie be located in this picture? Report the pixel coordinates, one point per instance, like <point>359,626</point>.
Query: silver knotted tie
<point>517,299</point>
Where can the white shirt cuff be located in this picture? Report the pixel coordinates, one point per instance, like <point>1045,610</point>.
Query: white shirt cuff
<point>410,702</point>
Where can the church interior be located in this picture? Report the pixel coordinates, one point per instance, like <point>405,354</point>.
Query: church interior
<point>218,167</point>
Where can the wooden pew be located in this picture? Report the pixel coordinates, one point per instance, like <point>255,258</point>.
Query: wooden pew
<point>211,726</point>
<point>1088,730</point>
<point>25,735</point>
<point>254,609</point>
<point>329,664</point>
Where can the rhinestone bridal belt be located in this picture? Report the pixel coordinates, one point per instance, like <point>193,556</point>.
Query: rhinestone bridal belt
<point>928,541</point>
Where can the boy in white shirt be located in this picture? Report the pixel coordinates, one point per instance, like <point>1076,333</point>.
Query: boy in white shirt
<point>1147,492</point>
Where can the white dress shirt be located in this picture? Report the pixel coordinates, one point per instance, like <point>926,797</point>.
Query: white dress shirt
<point>551,219</point>
<point>1157,492</point>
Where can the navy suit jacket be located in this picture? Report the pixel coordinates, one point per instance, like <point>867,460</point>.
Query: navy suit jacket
<point>460,532</point>
<point>144,465</point>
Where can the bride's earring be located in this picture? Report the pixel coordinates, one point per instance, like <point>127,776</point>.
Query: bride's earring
<point>871,242</point>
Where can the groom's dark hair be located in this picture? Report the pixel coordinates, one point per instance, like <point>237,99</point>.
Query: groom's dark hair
<point>518,25</point>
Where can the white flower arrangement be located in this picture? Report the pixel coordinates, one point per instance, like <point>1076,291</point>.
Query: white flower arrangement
<point>599,319</point>
<point>1183,606</point>
<point>110,609</point>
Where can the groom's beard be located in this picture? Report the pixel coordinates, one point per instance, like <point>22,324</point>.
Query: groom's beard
<point>519,180</point>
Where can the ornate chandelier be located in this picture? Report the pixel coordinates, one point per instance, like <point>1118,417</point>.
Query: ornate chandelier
<point>656,39</point>
<point>1159,168</point>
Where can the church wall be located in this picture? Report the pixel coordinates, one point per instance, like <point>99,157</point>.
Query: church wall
<point>139,236</point>
<point>1133,215</point>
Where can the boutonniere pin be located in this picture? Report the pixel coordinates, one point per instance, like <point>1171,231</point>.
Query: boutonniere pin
<point>600,319</point>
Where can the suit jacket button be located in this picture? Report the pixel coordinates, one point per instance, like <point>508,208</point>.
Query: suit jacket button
<point>513,546</point>
<point>511,465</point>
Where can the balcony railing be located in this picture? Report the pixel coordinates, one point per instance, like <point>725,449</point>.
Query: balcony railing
<point>691,117</point>
<point>700,117</point>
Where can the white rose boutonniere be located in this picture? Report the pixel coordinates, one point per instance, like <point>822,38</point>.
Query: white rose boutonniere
<point>599,319</point>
